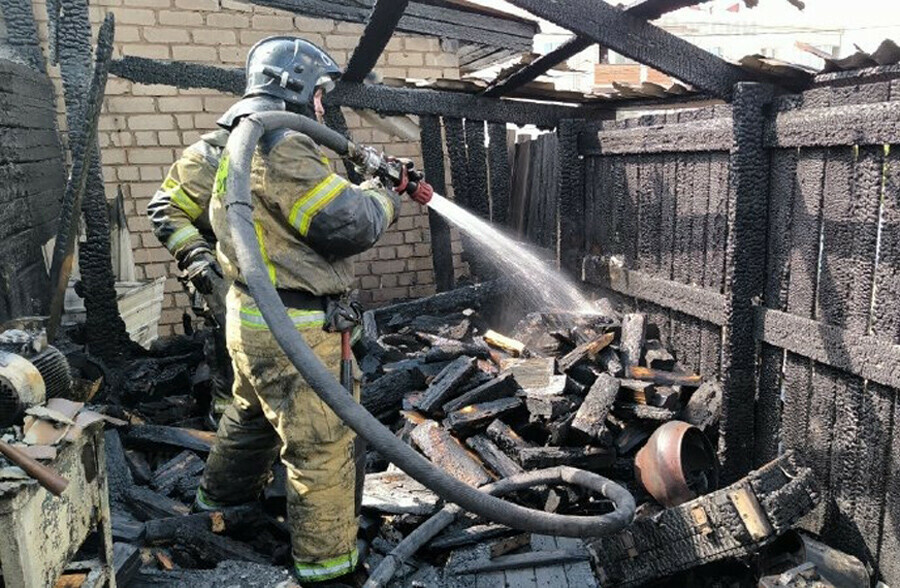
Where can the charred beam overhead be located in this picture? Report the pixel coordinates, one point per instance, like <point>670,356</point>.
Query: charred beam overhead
<point>630,35</point>
<point>645,9</point>
<point>422,18</point>
<point>538,67</point>
<point>382,99</point>
<point>380,28</point>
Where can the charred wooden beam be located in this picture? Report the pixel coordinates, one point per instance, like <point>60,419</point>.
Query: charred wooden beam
<point>380,27</point>
<point>169,475</point>
<point>634,332</point>
<point>591,416</point>
<point>126,562</point>
<point>506,438</point>
<point>221,521</point>
<point>646,9</point>
<point>446,452</point>
<point>499,164</point>
<point>384,397</point>
<point>645,43</point>
<point>548,407</point>
<point>445,385</point>
<point>500,387</point>
<point>591,458</point>
<point>147,504</point>
<point>382,99</point>
<point>211,548</point>
<point>493,457</point>
<point>630,410</point>
<point>433,161</point>
<point>662,377</point>
<point>587,350</point>
<point>657,356</point>
<point>477,416</point>
<point>745,275</point>
<point>469,536</point>
<point>118,473</point>
<point>538,67</point>
<point>156,436</point>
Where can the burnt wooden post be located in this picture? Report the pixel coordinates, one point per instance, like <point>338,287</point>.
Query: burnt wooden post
<point>745,275</point>
<point>433,160</point>
<point>499,173</point>
<point>571,204</point>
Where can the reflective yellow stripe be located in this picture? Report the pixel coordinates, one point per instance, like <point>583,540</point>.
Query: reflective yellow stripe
<point>262,249</point>
<point>327,569</point>
<point>315,200</point>
<point>181,236</point>
<point>385,203</point>
<point>184,202</point>
<point>303,319</point>
<point>221,176</point>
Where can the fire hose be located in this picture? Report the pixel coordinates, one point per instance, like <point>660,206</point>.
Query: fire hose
<point>238,203</point>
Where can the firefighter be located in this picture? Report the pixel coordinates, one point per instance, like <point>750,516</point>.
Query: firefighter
<point>179,213</point>
<point>309,223</point>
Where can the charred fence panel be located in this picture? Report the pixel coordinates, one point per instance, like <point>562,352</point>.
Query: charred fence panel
<point>33,180</point>
<point>664,198</point>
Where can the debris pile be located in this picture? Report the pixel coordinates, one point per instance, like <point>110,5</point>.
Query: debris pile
<point>598,392</point>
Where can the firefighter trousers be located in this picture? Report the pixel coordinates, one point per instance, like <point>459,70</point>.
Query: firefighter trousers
<point>274,406</point>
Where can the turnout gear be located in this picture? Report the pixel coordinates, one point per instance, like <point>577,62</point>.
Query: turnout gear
<point>179,213</point>
<point>289,69</point>
<point>273,405</point>
<point>308,220</point>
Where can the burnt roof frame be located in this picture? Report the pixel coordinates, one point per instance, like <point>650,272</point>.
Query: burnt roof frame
<point>379,29</point>
<point>645,9</point>
<point>625,33</point>
<point>382,99</point>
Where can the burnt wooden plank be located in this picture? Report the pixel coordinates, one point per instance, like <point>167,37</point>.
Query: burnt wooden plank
<point>469,536</point>
<point>170,474</point>
<point>384,397</point>
<point>631,410</point>
<point>499,166</point>
<point>570,195</point>
<point>662,377</point>
<point>591,416</point>
<point>447,453</point>
<point>587,350</point>
<point>146,504</point>
<point>804,262</point>
<point>156,436</point>
<point>634,333</point>
<point>446,384</point>
<point>471,418</point>
<point>380,27</point>
<point>506,438</point>
<point>782,183</point>
<point>502,386</point>
<point>592,458</point>
<point>433,162</point>
<point>849,245</point>
<point>493,457</point>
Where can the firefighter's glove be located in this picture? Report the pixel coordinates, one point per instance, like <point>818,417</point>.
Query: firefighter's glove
<point>342,314</point>
<point>204,271</point>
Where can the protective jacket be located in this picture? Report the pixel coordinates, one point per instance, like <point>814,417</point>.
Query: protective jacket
<point>309,221</point>
<point>179,211</point>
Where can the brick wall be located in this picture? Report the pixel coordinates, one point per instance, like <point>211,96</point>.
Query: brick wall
<point>144,128</point>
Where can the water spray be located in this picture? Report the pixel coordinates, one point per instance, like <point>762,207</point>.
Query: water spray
<point>239,206</point>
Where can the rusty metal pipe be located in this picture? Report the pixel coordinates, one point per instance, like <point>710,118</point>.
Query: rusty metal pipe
<point>46,477</point>
<point>674,462</point>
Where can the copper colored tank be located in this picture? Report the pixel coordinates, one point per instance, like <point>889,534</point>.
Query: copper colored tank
<point>677,464</point>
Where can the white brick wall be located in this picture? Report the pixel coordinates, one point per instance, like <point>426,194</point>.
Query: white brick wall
<point>143,128</point>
